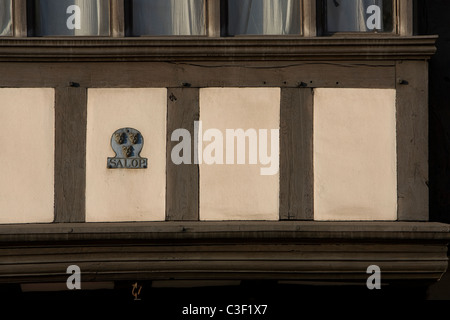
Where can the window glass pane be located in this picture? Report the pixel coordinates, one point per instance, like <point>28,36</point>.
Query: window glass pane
<point>359,15</point>
<point>268,17</point>
<point>167,17</point>
<point>72,18</point>
<point>5,18</point>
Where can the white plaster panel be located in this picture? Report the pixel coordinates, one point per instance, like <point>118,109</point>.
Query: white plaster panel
<point>27,158</point>
<point>355,165</point>
<point>114,195</point>
<point>239,191</point>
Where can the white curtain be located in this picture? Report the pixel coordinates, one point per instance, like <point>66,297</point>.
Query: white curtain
<point>94,17</point>
<point>5,18</point>
<point>51,18</point>
<point>350,15</point>
<point>269,17</point>
<point>168,17</point>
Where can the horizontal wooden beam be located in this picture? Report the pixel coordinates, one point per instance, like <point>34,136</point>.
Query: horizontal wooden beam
<point>285,230</point>
<point>357,74</point>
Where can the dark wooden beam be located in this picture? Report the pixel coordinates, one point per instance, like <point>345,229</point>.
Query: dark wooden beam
<point>264,231</point>
<point>70,153</point>
<point>296,155</point>
<point>182,195</point>
<point>412,141</point>
<point>357,74</point>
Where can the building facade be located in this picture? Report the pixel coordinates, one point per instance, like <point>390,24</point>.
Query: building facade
<point>206,141</point>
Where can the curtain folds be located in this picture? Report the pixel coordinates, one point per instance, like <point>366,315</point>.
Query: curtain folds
<point>268,17</point>
<point>52,16</point>
<point>168,17</point>
<point>5,18</point>
<point>350,15</point>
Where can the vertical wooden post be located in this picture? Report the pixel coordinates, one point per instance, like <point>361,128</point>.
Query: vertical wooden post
<point>182,195</point>
<point>20,18</point>
<point>213,18</point>
<point>405,17</point>
<point>309,18</point>
<point>70,154</point>
<point>296,154</point>
<point>412,140</point>
<point>117,18</point>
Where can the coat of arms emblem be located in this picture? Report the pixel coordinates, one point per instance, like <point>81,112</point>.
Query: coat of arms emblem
<point>127,143</point>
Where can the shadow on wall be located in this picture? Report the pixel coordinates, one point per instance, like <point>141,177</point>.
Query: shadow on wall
<point>432,17</point>
<point>281,299</point>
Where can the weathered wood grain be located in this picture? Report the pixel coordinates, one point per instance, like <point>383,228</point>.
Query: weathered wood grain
<point>412,141</point>
<point>303,251</point>
<point>296,155</point>
<point>201,74</point>
<point>117,18</point>
<point>20,18</point>
<point>213,17</point>
<point>70,154</point>
<point>405,17</point>
<point>309,15</point>
<point>182,196</point>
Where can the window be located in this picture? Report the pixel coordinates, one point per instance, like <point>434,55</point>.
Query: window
<point>5,18</point>
<point>166,17</point>
<point>262,17</point>
<point>359,16</point>
<point>213,18</point>
<point>70,17</point>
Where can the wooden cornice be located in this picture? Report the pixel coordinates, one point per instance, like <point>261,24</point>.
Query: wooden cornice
<point>218,49</point>
<point>301,251</point>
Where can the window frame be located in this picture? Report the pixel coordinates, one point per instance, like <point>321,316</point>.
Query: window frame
<point>402,21</point>
<point>30,23</point>
<point>322,23</point>
<point>12,22</point>
<point>224,23</point>
<point>127,15</point>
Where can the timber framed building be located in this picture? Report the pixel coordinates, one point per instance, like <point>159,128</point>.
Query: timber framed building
<point>350,103</point>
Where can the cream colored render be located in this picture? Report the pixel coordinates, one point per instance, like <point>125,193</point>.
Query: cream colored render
<point>355,174</point>
<point>126,194</point>
<point>239,191</point>
<point>27,119</point>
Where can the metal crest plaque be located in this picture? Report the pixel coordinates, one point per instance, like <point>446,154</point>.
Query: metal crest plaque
<point>127,143</point>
